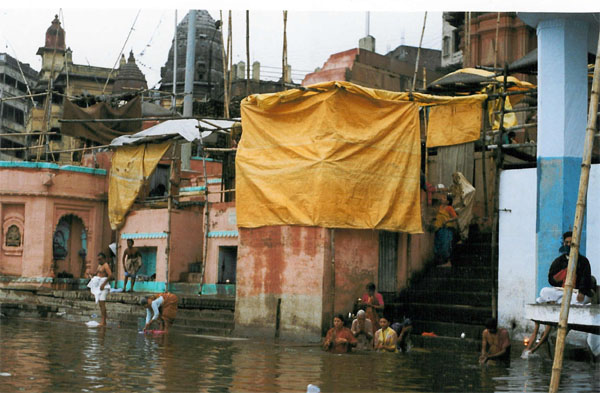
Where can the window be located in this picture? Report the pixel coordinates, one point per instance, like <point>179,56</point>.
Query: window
<point>446,46</point>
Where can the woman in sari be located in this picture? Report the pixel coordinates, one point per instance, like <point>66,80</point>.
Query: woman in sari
<point>161,308</point>
<point>339,339</point>
<point>385,338</point>
<point>445,226</point>
<point>372,302</point>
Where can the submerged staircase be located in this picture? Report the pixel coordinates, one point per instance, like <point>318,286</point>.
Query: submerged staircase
<point>449,301</point>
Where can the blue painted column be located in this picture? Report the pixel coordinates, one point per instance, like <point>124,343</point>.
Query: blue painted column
<point>562,119</point>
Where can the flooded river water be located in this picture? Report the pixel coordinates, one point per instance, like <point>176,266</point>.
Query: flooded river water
<point>60,356</point>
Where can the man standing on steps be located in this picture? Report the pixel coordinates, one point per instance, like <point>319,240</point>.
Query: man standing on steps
<point>132,262</point>
<point>495,344</point>
<point>99,285</point>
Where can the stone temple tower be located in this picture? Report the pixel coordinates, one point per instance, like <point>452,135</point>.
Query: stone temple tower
<point>53,51</point>
<point>209,61</point>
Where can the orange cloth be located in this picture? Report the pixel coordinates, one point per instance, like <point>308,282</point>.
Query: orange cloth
<point>371,312</point>
<point>454,124</point>
<point>344,332</point>
<point>444,214</point>
<point>168,310</point>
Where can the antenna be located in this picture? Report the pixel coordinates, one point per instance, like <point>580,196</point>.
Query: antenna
<point>367,23</point>
<point>402,38</point>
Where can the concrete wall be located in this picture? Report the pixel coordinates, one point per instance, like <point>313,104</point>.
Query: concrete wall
<point>282,267</point>
<point>517,266</point>
<point>34,196</point>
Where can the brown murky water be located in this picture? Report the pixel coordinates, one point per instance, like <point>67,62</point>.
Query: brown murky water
<point>59,356</point>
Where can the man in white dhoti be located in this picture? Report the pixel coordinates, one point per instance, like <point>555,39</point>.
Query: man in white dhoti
<point>99,285</point>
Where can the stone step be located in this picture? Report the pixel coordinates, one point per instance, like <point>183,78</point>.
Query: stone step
<point>208,302</point>
<point>463,271</point>
<point>454,284</point>
<point>183,329</point>
<point>449,313</point>
<point>448,329</point>
<point>225,315</point>
<point>446,343</point>
<point>481,299</point>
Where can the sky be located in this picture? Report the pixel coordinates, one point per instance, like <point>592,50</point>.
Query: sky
<point>315,30</point>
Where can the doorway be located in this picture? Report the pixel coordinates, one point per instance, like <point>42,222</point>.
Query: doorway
<point>69,247</point>
<point>227,264</point>
<point>148,270</point>
<point>388,261</point>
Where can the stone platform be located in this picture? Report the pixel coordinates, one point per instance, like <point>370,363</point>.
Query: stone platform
<point>212,315</point>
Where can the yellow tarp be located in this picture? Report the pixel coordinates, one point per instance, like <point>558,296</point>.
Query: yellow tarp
<point>332,155</point>
<point>130,167</point>
<point>453,124</point>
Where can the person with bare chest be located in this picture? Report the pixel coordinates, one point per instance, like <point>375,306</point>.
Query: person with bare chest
<point>99,285</point>
<point>132,262</point>
<point>495,344</point>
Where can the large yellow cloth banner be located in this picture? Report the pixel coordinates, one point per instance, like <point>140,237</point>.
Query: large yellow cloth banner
<point>335,155</point>
<point>130,167</point>
<point>454,124</point>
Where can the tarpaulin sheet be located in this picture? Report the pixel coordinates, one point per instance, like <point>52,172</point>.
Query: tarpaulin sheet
<point>453,124</point>
<point>131,166</point>
<point>102,132</point>
<point>331,158</point>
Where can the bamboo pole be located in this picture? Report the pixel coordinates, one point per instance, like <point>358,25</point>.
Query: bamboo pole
<point>579,213</point>
<point>496,41</point>
<point>483,169</point>
<point>23,96</point>
<point>248,52</point>
<point>284,54</point>
<point>26,133</point>
<point>169,211</point>
<point>496,208</point>
<point>206,216</point>
<point>48,103</point>
<point>414,82</point>
<point>144,118</point>
<point>225,63</point>
<point>230,51</point>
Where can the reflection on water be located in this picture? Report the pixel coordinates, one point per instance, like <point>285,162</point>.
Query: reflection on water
<point>58,356</point>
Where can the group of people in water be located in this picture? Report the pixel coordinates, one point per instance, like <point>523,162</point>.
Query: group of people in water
<point>369,330</point>
<point>160,308</point>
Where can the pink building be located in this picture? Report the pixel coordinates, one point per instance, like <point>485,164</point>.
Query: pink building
<point>54,219</point>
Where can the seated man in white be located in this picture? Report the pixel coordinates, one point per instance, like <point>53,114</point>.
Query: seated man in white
<point>585,287</point>
<point>584,282</point>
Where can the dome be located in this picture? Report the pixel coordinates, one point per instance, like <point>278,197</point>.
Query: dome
<point>55,36</point>
<point>129,77</point>
<point>209,60</point>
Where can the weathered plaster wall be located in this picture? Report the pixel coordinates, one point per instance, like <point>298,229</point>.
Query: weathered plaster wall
<point>517,271</point>
<point>516,248</point>
<point>282,266</point>
<point>148,227</point>
<point>222,232</point>
<point>187,234</point>
<point>213,168</point>
<point>356,264</point>
<point>46,193</point>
